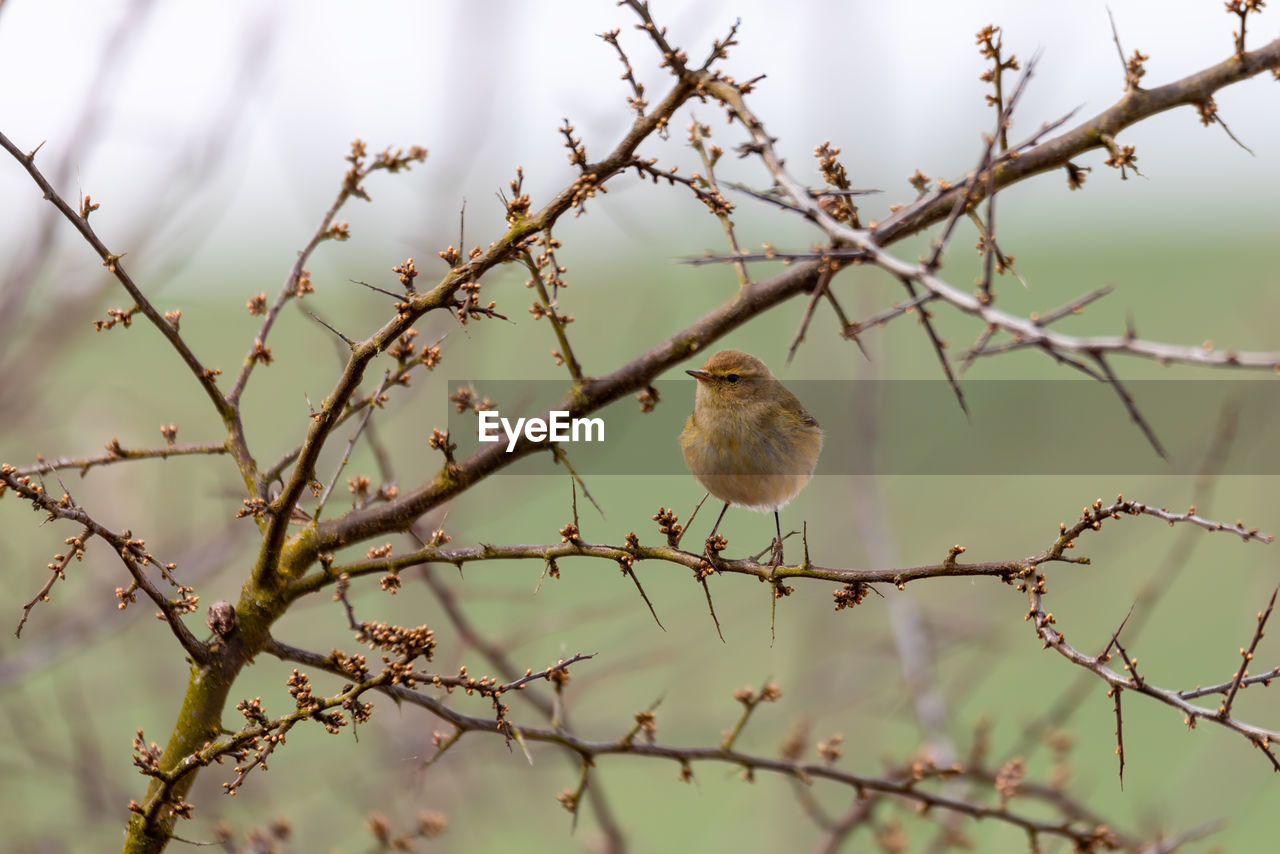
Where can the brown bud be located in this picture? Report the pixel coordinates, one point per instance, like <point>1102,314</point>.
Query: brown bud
<point>221,618</point>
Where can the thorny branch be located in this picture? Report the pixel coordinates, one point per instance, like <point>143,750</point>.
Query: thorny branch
<point>376,399</point>
<point>283,571</point>
<point>80,220</point>
<point>1168,568</point>
<point>1018,572</point>
<point>759,296</point>
<point>1045,624</point>
<point>1085,834</point>
<point>500,661</point>
<point>117,454</point>
<point>1006,570</point>
<point>297,284</point>
<point>131,551</point>
<point>408,358</point>
<point>867,243</point>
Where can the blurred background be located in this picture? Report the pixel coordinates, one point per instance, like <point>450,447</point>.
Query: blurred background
<point>213,139</point>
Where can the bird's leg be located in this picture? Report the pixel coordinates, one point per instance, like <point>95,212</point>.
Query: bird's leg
<point>777,544</point>
<point>719,519</point>
<point>712,553</point>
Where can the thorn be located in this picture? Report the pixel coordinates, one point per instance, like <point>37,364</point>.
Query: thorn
<point>317,319</point>
<point>712,607</point>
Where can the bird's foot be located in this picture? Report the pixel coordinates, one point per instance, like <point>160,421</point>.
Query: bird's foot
<point>776,549</point>
<point>716,543</point>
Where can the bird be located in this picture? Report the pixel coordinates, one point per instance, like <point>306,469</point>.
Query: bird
<point>749,441</point>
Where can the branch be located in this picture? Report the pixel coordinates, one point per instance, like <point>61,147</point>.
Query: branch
<point>57,572</point>
<point>550,305</point>
<point>758,297</point>
<point>429,357</point>
<point>497,657</point>
<point>1260,737</point>
<point>1087,835</point>
<point>869,243</point>
<point>205,377</point>
<point>375,401</point>
<point>117,454</point>
<point>1007,570</point>
<point>326,230</point>
<point>132,552</point>
<point>1247,655</point>
<point>1052,154</point>
<point>505,249</point>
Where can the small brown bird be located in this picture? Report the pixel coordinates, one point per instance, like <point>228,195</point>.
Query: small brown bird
<point>749,441</point>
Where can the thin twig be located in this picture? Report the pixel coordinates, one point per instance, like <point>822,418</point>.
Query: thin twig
<point>697,133</point>
<point>556,319</point>
<point>1260,737</point>
<point>1080,832</point>
<point>939,349</point>
<point>118,454</point>
<point>821,289</point>
<point>1130,406</point>
<point>1246,656</point>
<point>630,573</point>
<point>1115,693</point>
<point>712,608</point>
<point>374,399</point>
<point>205,377</point>
<point>1008,570</point>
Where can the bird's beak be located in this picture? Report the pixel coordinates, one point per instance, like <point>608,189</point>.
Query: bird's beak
<point>699,375</point>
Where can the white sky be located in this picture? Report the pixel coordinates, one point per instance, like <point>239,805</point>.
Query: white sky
<point>280,89</point>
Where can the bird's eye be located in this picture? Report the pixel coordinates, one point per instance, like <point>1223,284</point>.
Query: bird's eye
<point>733,378</point>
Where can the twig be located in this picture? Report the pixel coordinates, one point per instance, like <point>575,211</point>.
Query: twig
<point>1008,570</point>
<point>1246,656</point>
<point>117,454</point>
<point>1115,636</point>
<point>1115,37</point>
<point>131,551</point>
<point>1152,589</point>
<point>636,100</point>
<point>1222,687</point>
<point>1081,832</point>
<point>1076,306</point>
<point>688,523</point>
<point>561,456</point>
<point>1115,693</point>
<point>549,309</point>
<point>374,402</point>
<point>395,296</point>
<point>630,573</point>
<point>750,700</point>
<point>712,608</point>
<point>821,289</point>
<point>1130,406</point>
<point>57,572</point>
<point>697,133</point>
<point>880,319</point>
<point>978,346</point>
<point>327,325</point>
<point>1260,737</point>
<point>358,170</point>
<point>110,260</point>
<point>939,349</point>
